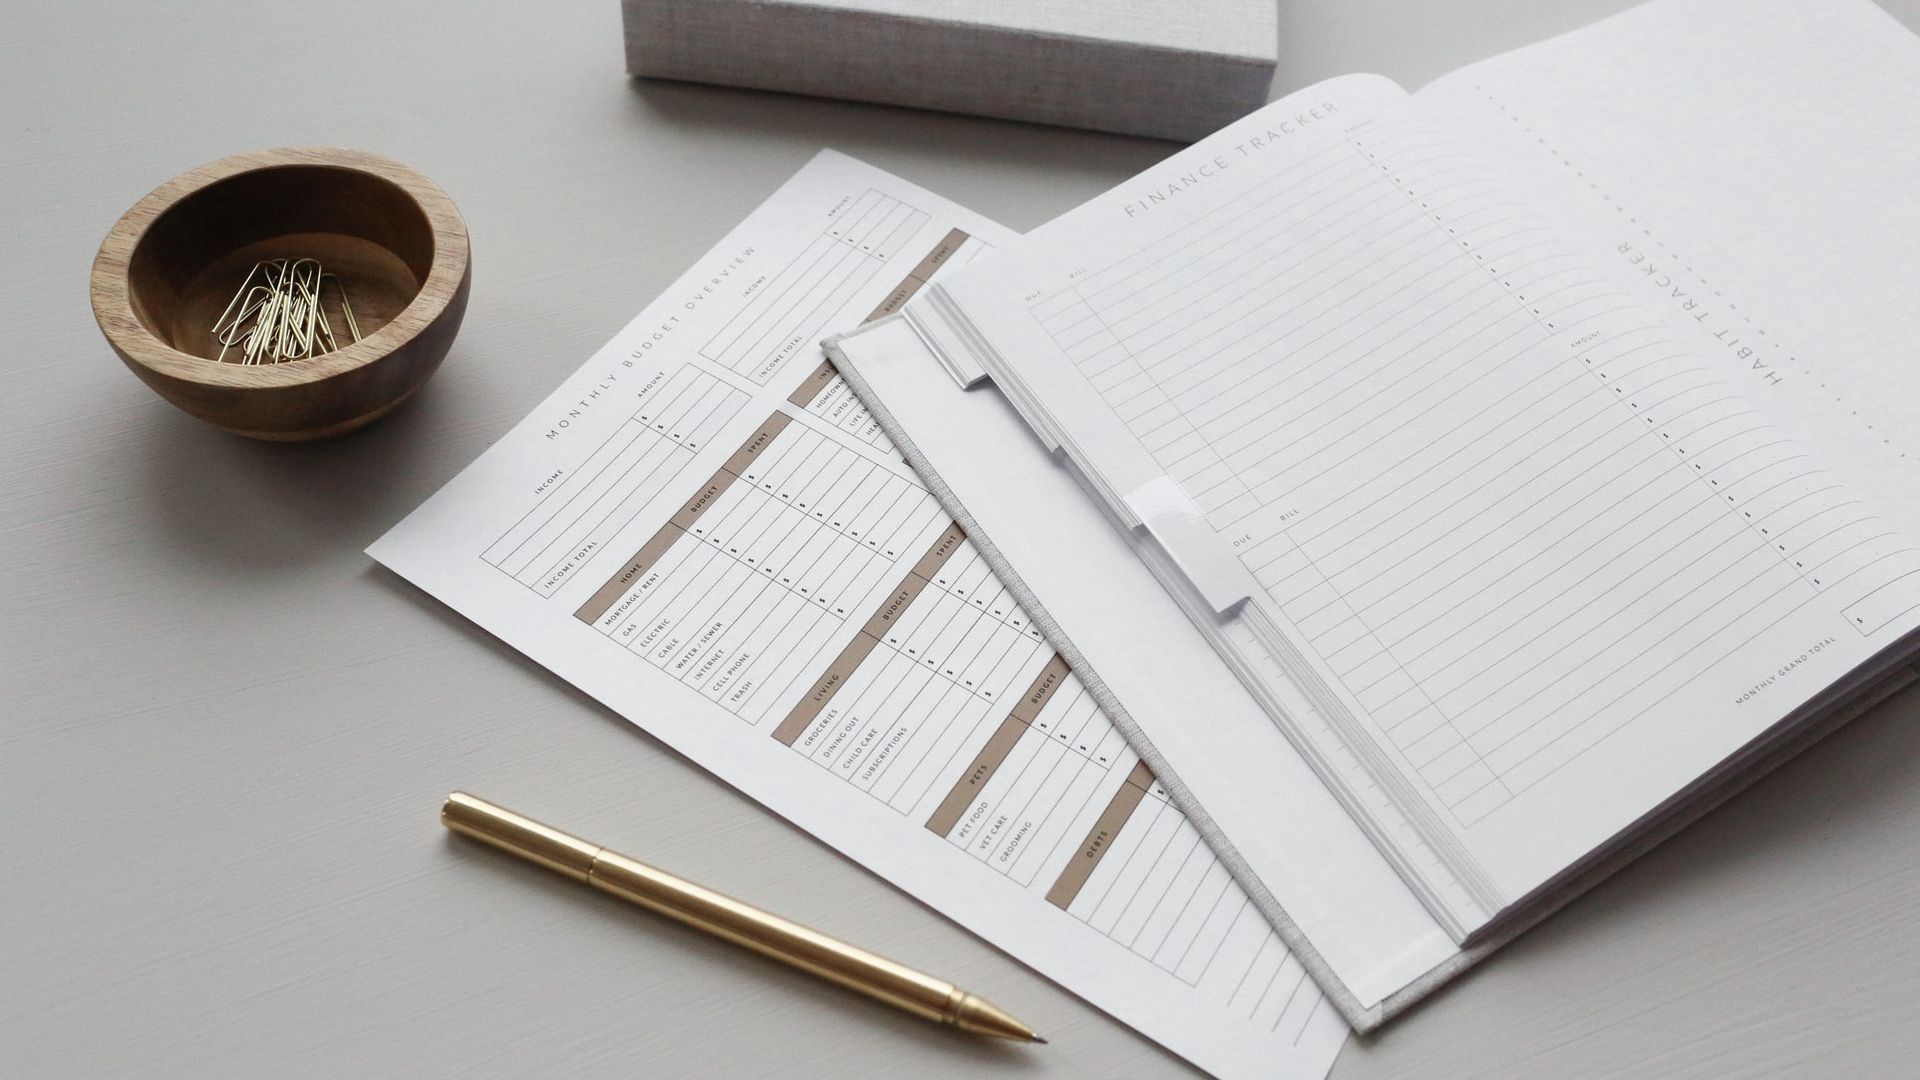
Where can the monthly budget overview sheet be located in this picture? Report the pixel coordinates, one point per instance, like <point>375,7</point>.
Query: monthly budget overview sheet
<point>705,530</point>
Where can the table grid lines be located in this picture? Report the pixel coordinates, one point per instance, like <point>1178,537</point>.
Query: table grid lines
<point>1418,355</point>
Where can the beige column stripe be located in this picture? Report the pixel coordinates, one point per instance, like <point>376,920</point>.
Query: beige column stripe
<point>1100,837</point>
<point>850,658</point>
<point>682,521</point>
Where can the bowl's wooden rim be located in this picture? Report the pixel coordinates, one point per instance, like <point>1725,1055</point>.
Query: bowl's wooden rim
<point>113,306</point>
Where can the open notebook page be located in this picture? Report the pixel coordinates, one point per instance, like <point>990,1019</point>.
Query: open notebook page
<point>703,529</point>
<point>1485,506</point>
<point>1754,166</point>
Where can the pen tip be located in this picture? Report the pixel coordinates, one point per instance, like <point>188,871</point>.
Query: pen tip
<point>1038,1039</point>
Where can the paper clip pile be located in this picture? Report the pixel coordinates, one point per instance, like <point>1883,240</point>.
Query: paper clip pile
<point>277,314</point>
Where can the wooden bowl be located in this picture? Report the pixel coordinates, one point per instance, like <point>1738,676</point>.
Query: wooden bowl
<point>170,265</point>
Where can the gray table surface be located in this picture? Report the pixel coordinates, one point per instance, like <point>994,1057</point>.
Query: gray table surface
<point>224,733</point>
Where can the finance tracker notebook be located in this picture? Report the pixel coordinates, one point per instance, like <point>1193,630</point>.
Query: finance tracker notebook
<point>1461,490</point>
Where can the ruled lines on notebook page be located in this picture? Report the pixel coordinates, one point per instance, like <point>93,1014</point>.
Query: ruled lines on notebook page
<point>1806,135</point>
<point>1505,528</point>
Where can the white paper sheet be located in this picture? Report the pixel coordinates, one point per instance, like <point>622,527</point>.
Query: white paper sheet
<point>1754,166</point>
<point>704,530</point>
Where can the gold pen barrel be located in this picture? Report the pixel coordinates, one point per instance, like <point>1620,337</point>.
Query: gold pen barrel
<point>723,916</point>
<point>782,939</point>
<point>517,835</point>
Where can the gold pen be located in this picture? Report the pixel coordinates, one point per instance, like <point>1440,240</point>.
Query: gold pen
<point>724,917</point>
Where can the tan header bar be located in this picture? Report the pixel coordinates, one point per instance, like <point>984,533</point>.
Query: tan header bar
<point>810,387</point>
<point>895,300</point>
<point>863,642</point>
<point>756,443</point>
<point>823,688</point>
<point>617,585</point>
<point>1100,838</point>
<point>1037,696</point>
<point>985,764</point>
<point>919,275</point>
<point>943,548</point>
<point>896,606</point>
<point>682,520</point>
<point>938,257</point>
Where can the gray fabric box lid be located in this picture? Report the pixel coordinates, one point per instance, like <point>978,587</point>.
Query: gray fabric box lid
<point>1174,69</point>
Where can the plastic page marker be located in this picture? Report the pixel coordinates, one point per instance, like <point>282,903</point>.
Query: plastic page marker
<point>1176,523</point>
<point>936,323</point>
